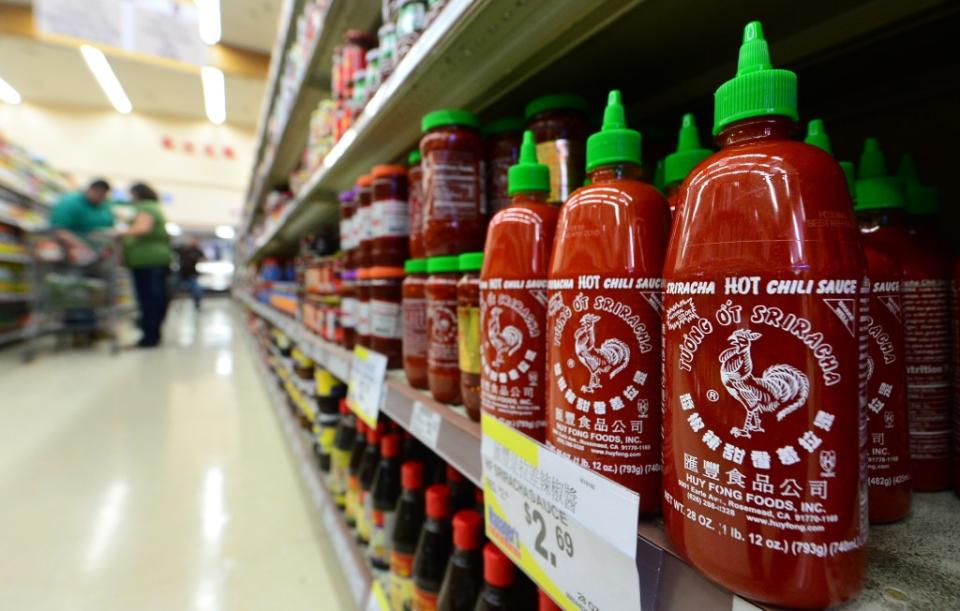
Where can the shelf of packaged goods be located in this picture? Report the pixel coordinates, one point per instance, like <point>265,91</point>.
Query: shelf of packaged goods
<point>351,559</point>
<point>513,39</point>
<point>290,137</point>
<point>14,257</point>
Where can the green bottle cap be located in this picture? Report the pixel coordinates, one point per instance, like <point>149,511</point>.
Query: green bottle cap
<point>415,266</point>
<point>758,89</point>
<point>556,101</point>
<point>441,265</point>
<point>817,136</point>
<point>689,153</point>
<point>449,116</point>
<point>471,261</point>
<point>876,190</point>
<point>658,176</point>
<point>504,125</point>
<point>850,173</point>
<point>614,143</point>
<point>414,157</point>
<point>528,175</point>
<point>922,200</point>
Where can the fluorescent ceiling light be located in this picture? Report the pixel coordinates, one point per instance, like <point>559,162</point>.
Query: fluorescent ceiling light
<point>98,64</point>
<point>209,21</point>
<point>225,232</point>
<point>8,94</point>
<point>214,95</point>
<point>173,229</point>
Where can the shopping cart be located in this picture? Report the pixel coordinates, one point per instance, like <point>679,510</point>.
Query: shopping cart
<point>79,296</point>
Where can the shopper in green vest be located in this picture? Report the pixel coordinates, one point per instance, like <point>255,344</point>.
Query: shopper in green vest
<point>146,250</point>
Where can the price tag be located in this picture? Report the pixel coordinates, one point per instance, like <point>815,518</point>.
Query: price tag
<point>365,386</point>
<point>425,424</point>
<point>378,598</point>
<point>559,521</point>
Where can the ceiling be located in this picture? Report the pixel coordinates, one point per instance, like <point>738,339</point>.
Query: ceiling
<point>55,74</point>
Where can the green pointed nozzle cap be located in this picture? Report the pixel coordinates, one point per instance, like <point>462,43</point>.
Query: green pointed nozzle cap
<point>658,176</point>
<point>850,173</point>
<point>875,190</point>
<point>921,199</point>
<point>758,89</point>
<point>528,175</point>
<point>614,143</point>
<point>817,136</point>
<point>689,153</point>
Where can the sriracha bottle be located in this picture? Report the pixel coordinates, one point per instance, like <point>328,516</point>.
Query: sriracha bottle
<point>603,348</point>
<point>498,577</point>
<point>888,463</point>
<point>925,296</point>
<point>385,492</point>
<point>513,301</point>
<point>464,578</point>
<point>679,163</point>
<point>433,549</point>
<point>764,430</point>
<point>406,533</point>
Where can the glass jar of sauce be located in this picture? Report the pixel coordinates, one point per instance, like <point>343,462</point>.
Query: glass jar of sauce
<point>443,359</point>
<point>363,307</point>
<point>348,210</point>
<point>560,127</point>
<point>415,205</point>
<point>390,223</point>
<point>415,323</point>
<point>364,216</point>
<point>453,182</point>
<point>349,307</point>
<point>386,320</point>
<point>502,140</point>
<point>468,331</point>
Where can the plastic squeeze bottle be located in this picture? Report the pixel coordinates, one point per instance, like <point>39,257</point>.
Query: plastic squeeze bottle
<point>406,532</point>
<point>679,163</point>
<point>464,578</point>
<point>925,295</point>
<point>888,461</point>
<point>513,298</point>
<point>603,344</point>
<point>764,430</point>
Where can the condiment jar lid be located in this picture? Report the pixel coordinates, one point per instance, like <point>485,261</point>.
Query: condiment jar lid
<point>921,199</point>
<point>373,435</point>
<point>438,501</point>
<point>466,529</point>
<point>365,181</point>
<point>498,570</point>
<point>527,175</point>
<point>449,116</point>
<point>363,273</point>
<point>470,262</point>
<point>614,143</point>
<point>453,476</point>
<point>415,266</point>
<point>689,153</point>
<point>439,265</point>
<point>385,272</point>
<point>504,125</point>
<point>411,475</point>
<point>758,89</point>
<point>347,196</point>
<point>555,101</point>
<point>379,171</point>
<point>390,446</point>
<point>875,189</point>
<point>414,157</point>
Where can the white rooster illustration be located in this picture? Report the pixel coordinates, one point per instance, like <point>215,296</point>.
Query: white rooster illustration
<point>504,341</point>
<point>782,389</point>
<point>612,356</point>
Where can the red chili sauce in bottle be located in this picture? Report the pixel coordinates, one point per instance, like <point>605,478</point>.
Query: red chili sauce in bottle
<point>415,323</point>
<point>364,221</point>
<point>764,427</point>
<point>560,128</point>
<point>390,222</point>
<point>468,331</point>
<point>513,299</point>
<point>415,205</point>
<point>386,316</point>
<point>603,349</point>
<point>502,140</point>
<point>443,359</point>
<point>348,209</point>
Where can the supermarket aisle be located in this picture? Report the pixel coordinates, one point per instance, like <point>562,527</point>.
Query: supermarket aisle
<point>154,480</point>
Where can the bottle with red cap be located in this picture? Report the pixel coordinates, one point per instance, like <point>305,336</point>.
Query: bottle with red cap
<point>461,490</point>
<point>464,579</point>
<point>406,532</point>
<point>353,473</point>
<point>368,468</point>
<point>385,492</point>
<point>340,455</point>
<point>499,575</point>
<point>545,603</point>
<point>433,549</point>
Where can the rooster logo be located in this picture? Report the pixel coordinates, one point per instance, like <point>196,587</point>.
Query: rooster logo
<point>782,389</point>
<point>505,341</point>
<point>611,357</point>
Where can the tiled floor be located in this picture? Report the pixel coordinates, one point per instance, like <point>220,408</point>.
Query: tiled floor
<point>154,480</point>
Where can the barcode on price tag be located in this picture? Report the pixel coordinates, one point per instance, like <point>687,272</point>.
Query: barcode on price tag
<point>425,424</point>
<point>559,521</point>
<point>365,386</point>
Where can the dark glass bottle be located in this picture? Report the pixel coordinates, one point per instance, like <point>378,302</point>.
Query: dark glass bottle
<point>433,549</point>
<point>498,579</point>
<point>368,469</point>
<point>340,456</point>
<point>462,495</point>
<point>353,473</point>
<point>406,533</point>
<point>385,492</point>
<point>464,579</point>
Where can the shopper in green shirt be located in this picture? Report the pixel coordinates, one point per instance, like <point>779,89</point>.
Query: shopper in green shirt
<point>78,214</point>
<point>146,250</point>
